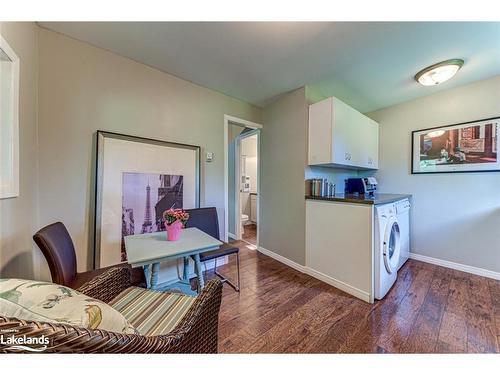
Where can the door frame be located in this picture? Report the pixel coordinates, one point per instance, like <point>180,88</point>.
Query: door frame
<point>231,120</point>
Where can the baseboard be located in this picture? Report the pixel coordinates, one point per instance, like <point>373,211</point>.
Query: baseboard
<point>318,275</point>
<point>362,295</point>
<point>456,266</point>
<point>282,259</point>
<point>231,235</point>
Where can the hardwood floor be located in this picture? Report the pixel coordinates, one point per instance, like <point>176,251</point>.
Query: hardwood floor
<point>430,309</point>
<point>250,234</point>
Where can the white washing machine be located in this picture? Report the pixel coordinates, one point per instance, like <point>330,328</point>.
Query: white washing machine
<point>403,216</point>
<point>387,248</point>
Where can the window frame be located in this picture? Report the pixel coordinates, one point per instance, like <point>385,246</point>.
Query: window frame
<point>9,183</point>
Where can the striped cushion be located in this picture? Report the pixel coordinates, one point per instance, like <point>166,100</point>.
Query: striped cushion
<point>151,312</point>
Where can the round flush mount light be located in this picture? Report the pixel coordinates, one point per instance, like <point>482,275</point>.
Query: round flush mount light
<point>438,73</point>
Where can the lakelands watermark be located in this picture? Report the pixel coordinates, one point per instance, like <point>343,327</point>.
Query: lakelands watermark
<point>15,342</point>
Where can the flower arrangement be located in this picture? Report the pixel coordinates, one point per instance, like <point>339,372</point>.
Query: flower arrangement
<point>173,215</point>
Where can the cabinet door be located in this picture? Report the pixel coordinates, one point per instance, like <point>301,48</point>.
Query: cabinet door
<point>339,135</point>
<point>372,143</point>
<point>253,208</point>
<point>345,129</point>
<point>368,142</point>
<point>320,132</point>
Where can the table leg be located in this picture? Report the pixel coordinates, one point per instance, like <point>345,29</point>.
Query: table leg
<point>185,270</point>
<point>147,275</point>
<point>199,272</point>
<point>155,268</point>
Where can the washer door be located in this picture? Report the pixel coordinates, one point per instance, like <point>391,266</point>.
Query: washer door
<point>392,245</point>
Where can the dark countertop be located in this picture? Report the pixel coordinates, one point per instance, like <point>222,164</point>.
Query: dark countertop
<point>363,199</point>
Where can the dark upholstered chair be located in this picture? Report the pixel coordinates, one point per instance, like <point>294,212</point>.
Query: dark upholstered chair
<point>206,220</point>
<point>56,245</point>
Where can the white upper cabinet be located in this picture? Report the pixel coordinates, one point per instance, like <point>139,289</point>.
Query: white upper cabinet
<point>340,136</point>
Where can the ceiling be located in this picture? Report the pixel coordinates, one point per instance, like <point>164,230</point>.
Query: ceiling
<point>369,65</point>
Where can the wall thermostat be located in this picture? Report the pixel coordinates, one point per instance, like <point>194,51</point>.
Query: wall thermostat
<point>210,157</point>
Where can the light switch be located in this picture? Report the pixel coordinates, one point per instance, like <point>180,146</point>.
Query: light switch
<point>210,157</point>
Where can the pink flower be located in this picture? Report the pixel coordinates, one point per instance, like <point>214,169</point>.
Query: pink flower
<point>172,215</point>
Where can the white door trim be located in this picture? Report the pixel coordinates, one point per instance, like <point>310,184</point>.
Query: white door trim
<point>248,124</point>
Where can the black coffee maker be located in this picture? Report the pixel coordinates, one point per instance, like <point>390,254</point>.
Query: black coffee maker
<point>361,186</point>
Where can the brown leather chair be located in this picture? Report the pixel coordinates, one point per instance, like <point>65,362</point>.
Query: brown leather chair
<point>56,245</point>
<point>206,220</point>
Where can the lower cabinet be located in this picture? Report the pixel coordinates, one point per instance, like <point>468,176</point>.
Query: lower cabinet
<point>339,245</point>
<point>253,208</point>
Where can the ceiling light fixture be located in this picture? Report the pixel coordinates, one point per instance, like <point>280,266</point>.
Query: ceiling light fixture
<point>438,73</point>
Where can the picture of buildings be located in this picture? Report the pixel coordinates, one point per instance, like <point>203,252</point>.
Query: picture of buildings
<point>469,144</point>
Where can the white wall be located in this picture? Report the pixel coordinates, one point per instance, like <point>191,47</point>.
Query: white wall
<point>249,149</point>
<point>455,217</point>
<point>333,175</point>
<point>83,89</point>
<point>19,256</point>
<point>251,167</point>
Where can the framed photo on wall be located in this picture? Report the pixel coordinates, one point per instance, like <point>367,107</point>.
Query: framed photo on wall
<point>137,179</point>
<point>466,147</point>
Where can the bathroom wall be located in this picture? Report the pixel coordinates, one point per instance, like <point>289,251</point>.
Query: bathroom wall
<point>249,151</point>
<point>251,168</point>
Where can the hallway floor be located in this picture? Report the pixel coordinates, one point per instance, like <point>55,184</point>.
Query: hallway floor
<point>430,309</point>
<point>250,234</point>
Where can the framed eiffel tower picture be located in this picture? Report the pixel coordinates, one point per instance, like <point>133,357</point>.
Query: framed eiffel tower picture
<point>137,179</point>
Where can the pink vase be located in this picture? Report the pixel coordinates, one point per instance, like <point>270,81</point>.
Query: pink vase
<point>174,231</point>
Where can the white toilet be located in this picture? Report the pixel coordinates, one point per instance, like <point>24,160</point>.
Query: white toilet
<point>244,219</point>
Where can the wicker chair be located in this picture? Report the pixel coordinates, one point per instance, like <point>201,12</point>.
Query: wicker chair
<point>195,333</point>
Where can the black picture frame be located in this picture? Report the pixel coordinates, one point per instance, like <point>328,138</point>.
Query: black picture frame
<point>455,168</point>
<point>101,135</point>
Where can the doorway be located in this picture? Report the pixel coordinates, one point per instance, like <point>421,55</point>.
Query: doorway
<point>242,140</point>
<point>247,196</point>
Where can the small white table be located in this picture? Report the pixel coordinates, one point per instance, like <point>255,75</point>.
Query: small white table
<point>149,249</point>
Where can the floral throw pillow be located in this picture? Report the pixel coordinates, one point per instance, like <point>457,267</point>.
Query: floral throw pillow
<point>52,303</point>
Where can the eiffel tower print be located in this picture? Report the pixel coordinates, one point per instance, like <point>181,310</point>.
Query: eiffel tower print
<point>147,225</point>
